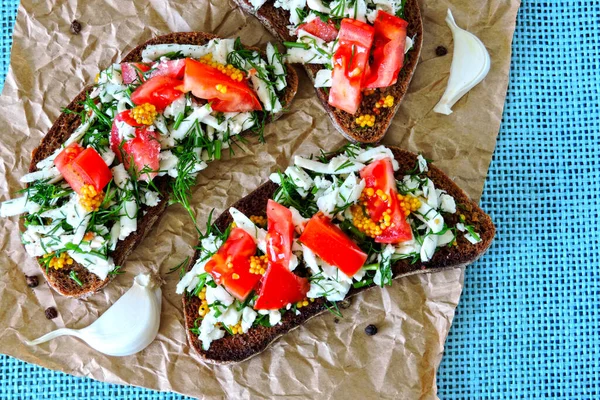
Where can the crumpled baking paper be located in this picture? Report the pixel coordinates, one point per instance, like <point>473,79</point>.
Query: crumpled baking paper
<point>326,358</point>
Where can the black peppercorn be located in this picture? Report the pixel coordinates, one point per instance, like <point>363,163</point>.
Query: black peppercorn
<point>371,330</point>
<point>32,281</point>
<point>336,320</point>
<point>75,27</point>
<point>51,313</point>
<point>441,51</point>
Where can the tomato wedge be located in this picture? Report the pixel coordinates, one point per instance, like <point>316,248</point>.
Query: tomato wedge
<point>280,287</point>
<point>80,166</point>
<point>280,233</point>
<point>323,30</point>
<point>159,91</point>
<point>172,68</point>
<point>349,64</point>
<point>379,175</point>
<point>143,149</point>
<point>202,80</point>
<point>133,72</point>
<point>388,51</point>
<point>230,265</point>
<point>333,246</point>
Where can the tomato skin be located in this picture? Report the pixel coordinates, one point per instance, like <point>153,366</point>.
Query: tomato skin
<point>143,149</point>
<point>237,250</point>
<point>202,80</point>
<point>323,30</point>
<point>280,233</point>
<point>332,245</point>
<point>280,287</point>
<point>131,72</point>
<point>380,175</point>
<point>90,165</point>
<point>349,64</point>
<point>172,68</point>
<point>80,167</point>
<point>159,91</point>
<point>388,51</point>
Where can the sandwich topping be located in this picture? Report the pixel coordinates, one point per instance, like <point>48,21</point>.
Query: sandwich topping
<point>168,115</point>
<point>361,45</point>
<point>336,222</point>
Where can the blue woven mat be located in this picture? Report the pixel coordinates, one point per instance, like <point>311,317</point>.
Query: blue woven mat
<point>528,322</point>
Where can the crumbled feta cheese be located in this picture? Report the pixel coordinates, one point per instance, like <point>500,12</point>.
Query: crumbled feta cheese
<point>128,214</point>
<point>430,242</point>
<point>430,216</point>
<point>447,203</point>
<point>246,224</point>
<point>300,178</point>
<point>49,173</point>
<point>274,58</point>
<point>323,78</point>
<point>257,3</point>
<point>445,238</point>
<point>168,164</point>
<point>336,166</point>
<point>377,153</point>
<point>218,293</point>
<point>248,318</point>
<point>422,164</point>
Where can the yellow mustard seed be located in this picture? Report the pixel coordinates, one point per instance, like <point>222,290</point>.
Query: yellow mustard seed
<point>144,114</point>
<point>89,198</point>
<point>58,262</point>
<point>258,264</point>
<point>229,70</point>
<point>259,220</point>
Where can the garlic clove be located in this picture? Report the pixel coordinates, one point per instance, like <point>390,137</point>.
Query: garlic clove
<point>127,327</point>
<point>470,64</point>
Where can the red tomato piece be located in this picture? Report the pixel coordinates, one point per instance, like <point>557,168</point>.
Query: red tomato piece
<point>80,166</point>
<point>380,175</point>
<point>159,91</point>
<point>388,51</point>
<point>280,287</point>
<point>280,233</point>
<point>349,64</point>
<point>143,149</point>
<point>330,243</point>
<point>323,30</point>
<point>133,72</point>
<point>172,68</point>
<point>202,80</point>
<point>90,165</point>
<point>230,265</point>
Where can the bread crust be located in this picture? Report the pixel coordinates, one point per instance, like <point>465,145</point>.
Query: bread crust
<point>237,348</point>
<point>61,130</point>
<point>275,20</point>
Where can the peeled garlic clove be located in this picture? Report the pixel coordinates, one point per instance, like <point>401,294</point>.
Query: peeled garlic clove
<point>127,327</point>
<point>470,64</point>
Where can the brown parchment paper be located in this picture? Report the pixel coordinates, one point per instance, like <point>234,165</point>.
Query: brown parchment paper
<point>323,359</point>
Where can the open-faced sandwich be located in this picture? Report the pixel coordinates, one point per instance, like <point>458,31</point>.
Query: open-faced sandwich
<point>137,139</point>
<point>360,54</point>
<point>324,229</point>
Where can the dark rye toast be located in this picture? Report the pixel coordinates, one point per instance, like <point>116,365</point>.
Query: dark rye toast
<point>275,20</point>
<point>240,347</point>
<point>61,130</point>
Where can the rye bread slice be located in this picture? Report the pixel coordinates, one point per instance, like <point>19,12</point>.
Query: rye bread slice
<point>236,348</point>
<point>275,20</point>
<point>61,130</point>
